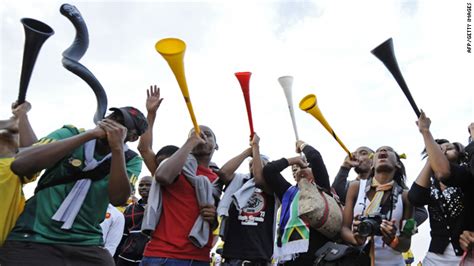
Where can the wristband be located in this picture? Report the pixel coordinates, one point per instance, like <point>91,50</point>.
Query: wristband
<point>302,146</point>
<point>394,242</point>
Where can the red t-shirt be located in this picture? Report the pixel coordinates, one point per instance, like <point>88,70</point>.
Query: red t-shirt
<point>180,211</point>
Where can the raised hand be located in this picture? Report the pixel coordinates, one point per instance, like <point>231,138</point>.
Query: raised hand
<point>423,122</point>
<point>255,140</point>
<point>349,163</point>
<point>299,145</point>
<point>196,139</point>
<point>19,110</point>
<point>153,99</point>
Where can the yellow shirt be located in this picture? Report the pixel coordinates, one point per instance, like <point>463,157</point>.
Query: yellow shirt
<point>12,200</point>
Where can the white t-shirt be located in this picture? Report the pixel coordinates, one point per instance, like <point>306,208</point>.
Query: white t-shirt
<point>112,228</point>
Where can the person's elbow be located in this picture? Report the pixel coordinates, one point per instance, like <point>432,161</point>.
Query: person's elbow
<point>21,169</point>
<point>142,148</point>
<point>163,179</point>
<point>225,176</point>
<point>259,182</point>
<point>442,174</point>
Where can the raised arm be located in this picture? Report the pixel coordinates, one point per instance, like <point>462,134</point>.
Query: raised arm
<point>227,171</point>
<point>272,174</point>
<point>170,168</point>
<point>145,145</point>
<point>37,158</point>
<point>316,163</point>
<point>27,135</point>
<point>257,165</point>
<point>438,161</point>
<point>340,181</point>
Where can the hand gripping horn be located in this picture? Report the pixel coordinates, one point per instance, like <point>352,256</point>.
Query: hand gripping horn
<point>309,105</point>
<point>385,53</point>
<point>286,83</point>
<point>244,80</point>
<point>172,50</point>
<point>36,33</point>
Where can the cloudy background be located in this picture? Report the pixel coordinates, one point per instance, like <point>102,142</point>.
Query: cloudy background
<point>324,44</point>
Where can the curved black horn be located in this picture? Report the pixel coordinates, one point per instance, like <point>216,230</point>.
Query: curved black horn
<point>385,53</point>
<point>74,53</point>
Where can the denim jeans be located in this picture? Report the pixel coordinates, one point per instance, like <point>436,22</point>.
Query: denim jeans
<point>154,261</point>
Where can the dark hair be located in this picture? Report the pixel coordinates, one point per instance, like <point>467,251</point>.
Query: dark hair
<point>462,157</point>
<point>167,151</point>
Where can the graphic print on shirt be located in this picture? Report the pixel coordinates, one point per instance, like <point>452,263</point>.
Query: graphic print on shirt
<point>451,200</point>
<point>254,212</point>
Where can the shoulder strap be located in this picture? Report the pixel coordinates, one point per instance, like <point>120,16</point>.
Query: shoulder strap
<point>95,174</point>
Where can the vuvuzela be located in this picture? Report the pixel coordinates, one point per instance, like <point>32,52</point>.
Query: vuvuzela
<point>309,105</point>
<point>286,83</point>
<point>244,80</point>
<point>385,53</point>
<point>172,50</point>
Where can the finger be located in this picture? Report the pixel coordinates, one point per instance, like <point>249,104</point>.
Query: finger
<point>385,233</point>
<point>464,244</point>
<point>210,215</point>
<point>105,127</point>
<point>113,123</point>
<point>106,124</point>
<point>148,93</point>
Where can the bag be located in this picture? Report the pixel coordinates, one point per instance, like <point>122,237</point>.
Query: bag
<point>333,254</point>
<point>322,210</point>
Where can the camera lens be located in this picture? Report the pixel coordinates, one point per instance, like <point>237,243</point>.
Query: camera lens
<point>365,228</point>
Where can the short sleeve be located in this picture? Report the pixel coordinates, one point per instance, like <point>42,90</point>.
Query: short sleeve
<point>134,168</point>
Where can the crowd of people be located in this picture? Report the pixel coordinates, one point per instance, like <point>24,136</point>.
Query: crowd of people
<point>190,205</point>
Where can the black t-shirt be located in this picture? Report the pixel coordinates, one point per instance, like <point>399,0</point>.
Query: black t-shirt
<point>249,232</point>
<point>279,185</point>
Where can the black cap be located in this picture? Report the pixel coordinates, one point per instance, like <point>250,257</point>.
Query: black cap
<point>133,118</point>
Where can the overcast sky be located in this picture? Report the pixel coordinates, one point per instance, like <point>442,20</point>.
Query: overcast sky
<point>324,44</point>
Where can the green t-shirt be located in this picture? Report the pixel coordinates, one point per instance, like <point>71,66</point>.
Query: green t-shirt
<point>35,223</point>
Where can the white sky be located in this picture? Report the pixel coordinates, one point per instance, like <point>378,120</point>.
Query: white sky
<point>324,44</point>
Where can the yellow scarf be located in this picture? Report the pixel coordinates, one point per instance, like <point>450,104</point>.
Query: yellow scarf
<point>377,199</point>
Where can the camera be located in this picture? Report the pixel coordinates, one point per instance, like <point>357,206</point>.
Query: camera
<point>370,224</point>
